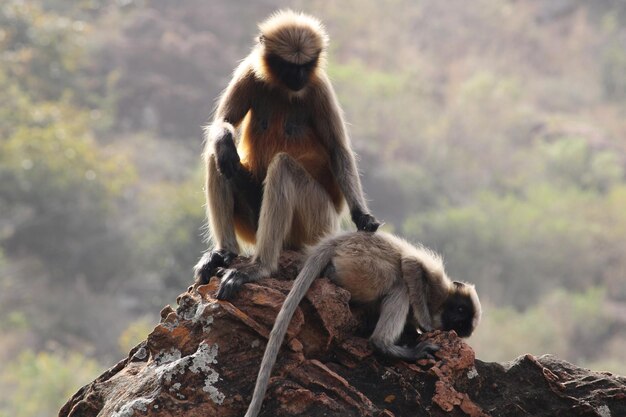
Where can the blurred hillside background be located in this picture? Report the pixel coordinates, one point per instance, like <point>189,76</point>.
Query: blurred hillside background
<point>494,133</point>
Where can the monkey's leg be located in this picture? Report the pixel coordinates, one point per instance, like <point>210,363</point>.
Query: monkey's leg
<point>394,310</point>
<point>220,213</point>
<point>415,278</point>
<point>289,194</point>
<point>296,210</point>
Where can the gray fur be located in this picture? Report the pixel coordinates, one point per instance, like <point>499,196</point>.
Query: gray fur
<point>285,183</point>
<point>231,110</point>
<point>220,208</point>
<point>393,312</point>
<point>418,292</point>
<point>333,131</point>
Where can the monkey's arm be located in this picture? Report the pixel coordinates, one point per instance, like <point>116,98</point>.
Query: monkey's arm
<point>329,123</point>
<point>231,109</point>
<point>415,278</point>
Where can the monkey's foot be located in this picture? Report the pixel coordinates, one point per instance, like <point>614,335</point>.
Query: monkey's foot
<point>210,261</point>
<point>424,350</point>
<point>231,283</point>
<point>233,279</point>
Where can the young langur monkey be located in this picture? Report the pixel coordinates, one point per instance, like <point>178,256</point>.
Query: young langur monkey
<point>381,268</point>
<point>285,183</point>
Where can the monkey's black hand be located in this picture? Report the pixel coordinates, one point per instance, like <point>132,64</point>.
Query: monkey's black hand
<point>228,161</point>
<point>232,281</point>
<point>210,261</point>
<point>425,350</point>
<point>364,221</point>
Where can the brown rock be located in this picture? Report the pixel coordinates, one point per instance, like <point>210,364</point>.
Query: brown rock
<point>203,358</point>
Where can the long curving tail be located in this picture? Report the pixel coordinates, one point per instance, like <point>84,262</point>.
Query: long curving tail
<point>313,267</point>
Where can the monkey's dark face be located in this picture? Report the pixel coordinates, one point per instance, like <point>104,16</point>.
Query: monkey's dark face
<point>295,77</point>
<point>458,314</point>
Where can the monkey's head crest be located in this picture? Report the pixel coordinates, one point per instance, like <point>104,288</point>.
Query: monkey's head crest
<point>297,38</point>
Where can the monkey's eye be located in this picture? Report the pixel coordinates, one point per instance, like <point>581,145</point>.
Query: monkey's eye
<point>460,309</point>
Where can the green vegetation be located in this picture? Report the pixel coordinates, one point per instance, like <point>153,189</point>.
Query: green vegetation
<point>549,327</point>
<point>528,244</point>
<point>134,334</point>
<point>493,133</point>
<point>38,384</point>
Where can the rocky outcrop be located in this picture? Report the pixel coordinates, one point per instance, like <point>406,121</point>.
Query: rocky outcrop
<point>203,357</point>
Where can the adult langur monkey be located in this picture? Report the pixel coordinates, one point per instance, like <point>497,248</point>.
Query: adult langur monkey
<point>285,183</point>
<point>408,281</point>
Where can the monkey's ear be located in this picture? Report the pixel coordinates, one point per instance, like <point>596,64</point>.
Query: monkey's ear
<point>458,284</point>
<point>261,39</point>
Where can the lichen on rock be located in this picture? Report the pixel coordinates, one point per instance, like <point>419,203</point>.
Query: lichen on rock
<point>203,358</point>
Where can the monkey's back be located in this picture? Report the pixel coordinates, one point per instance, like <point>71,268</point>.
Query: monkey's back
<point>366,264</point>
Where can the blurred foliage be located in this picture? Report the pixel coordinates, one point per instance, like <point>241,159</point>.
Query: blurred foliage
<point>614,72</point>
<point>173,240</point>
<point>38,384</point>
<point>577,322</point>
<point>528,243</point>
<point>45,54</point>
<point>57,189</point>
<point>14,321</point>
<point>40,50</point>
<point>493,133</point>
<point>573,162</point>
<point>134,334</point>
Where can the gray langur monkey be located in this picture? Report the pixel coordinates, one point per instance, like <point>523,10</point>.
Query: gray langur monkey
<point>285,182</point>
<point>383,268</point>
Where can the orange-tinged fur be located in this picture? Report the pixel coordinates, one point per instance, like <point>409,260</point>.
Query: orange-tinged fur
<point>257,151</point>
<point>244,229</point>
